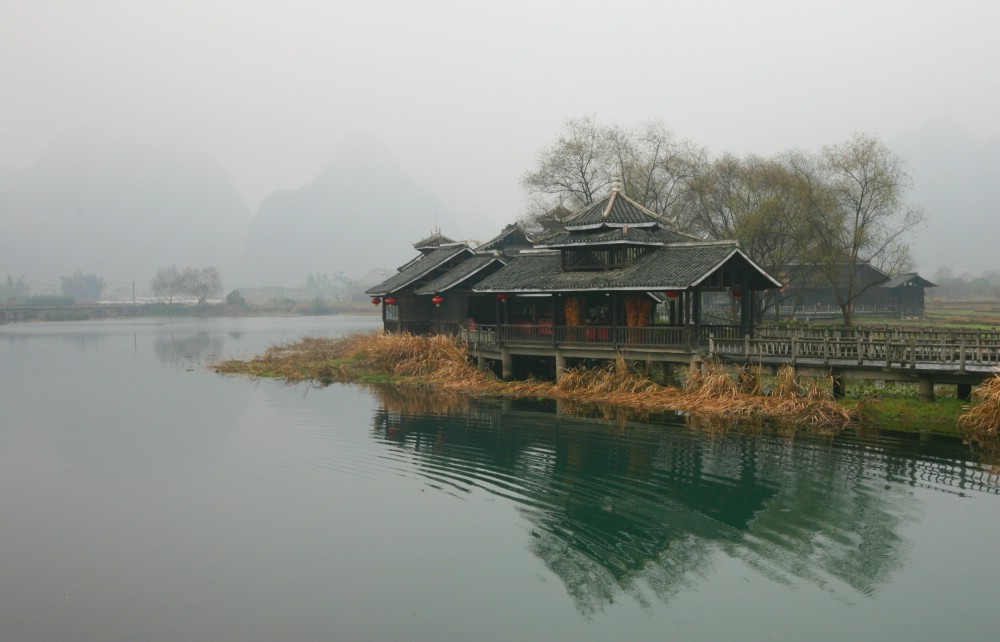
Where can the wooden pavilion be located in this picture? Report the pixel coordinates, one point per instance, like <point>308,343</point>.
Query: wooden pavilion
<point>615,276</point>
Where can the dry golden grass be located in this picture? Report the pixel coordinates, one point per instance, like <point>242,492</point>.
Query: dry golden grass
<point>984,416</point>
<point>444,362</point>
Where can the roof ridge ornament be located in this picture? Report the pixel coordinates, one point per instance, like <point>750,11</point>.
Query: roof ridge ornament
<point>616,189</point>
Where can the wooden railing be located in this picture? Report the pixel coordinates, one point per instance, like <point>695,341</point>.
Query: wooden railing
<point>862,346</point>
<point>877,333</point>
<point>864,350</point>
<point>721,331</point>
<point>883,310</point>
<point>651,336</point>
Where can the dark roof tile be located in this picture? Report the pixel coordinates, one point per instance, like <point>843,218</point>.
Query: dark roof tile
<point>614,210</point>
<point>462,272</point>
<point>417,269</point>
<point>662,268</point>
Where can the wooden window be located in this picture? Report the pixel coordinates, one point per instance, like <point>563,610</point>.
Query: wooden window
<point>595,258</point>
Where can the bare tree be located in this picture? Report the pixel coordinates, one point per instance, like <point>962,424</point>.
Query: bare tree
<point>857,215</point>
<point>202,283</point>
<point>653,167</point>
<point>576,168</point>
<point>198,283</point>
<point>166,283</point>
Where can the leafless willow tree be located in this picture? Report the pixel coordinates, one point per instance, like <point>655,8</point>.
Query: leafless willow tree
<point>755,201</point>
<point>857,214</point>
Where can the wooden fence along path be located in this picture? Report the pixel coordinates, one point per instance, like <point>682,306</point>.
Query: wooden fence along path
<point>883,347</point>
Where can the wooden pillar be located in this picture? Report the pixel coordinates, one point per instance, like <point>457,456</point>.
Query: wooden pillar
<point>838,386</point>
<point>560,365</point>
<point>506,364</point>
<point>925,390</point>
<point>747,310</point>
<point>696,313</point>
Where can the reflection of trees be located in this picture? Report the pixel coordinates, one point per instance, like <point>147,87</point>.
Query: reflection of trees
<point>179,348</point>
<point>640,509</point>
<point>83,340</point>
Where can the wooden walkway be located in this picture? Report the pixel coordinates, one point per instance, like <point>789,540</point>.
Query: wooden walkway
<point>923,356</point>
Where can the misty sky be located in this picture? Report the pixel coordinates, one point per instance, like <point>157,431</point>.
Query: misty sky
<point>466,93</point>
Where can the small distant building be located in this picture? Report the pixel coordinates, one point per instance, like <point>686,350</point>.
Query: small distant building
<point>809,293</point>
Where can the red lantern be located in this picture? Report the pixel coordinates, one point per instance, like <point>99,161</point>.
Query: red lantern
<point>376,300</point>
<point>504,297</point>
<point>738,293</point>
<point>673,294</point>
<point>437,300</point>
<point>390,300</point>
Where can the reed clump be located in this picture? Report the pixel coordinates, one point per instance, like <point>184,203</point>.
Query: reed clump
<point>983,418</point>
<point>709,391</point>
<point>792,398</point>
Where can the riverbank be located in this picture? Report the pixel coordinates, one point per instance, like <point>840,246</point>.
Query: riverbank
<point>15,313</point>
<point>443,362</point>
<point>709,394</point>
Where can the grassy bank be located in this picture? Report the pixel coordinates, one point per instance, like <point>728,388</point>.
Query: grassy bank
<point>710,395</point>
<point>444,363</point>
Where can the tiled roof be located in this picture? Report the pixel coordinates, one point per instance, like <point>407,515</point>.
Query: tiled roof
<point>614,210</point>
<point>809,276</point>
<point>417,269</point>
<point>434,240</point>
<point>907,278</point>
<point>618,235</point>
<point>519,241</point>
<point>462,272</point>
<point>554,218</point>
<point>663,268</point>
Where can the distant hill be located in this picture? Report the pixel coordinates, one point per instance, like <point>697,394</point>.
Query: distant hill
<point>118,209</point>
<point>361,212</point>
<point>956,179</point>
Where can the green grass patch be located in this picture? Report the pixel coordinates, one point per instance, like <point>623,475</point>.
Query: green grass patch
<point>909,414</point>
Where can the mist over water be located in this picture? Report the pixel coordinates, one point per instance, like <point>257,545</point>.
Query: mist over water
<point>149,498</point>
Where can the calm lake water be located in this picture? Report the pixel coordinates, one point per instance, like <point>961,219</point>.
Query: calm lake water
<point>143,497</point>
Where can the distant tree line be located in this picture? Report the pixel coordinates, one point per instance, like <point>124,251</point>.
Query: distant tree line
<point>199,283</point>
<point>82,287</point>
<point>78,287</point>
<point>338,285</point>
<point>825,213</point>
<point>14,289</point>
<point>966,284</point>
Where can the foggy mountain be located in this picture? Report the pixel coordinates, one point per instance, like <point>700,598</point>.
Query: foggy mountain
<point>119,210</point>
<point>361,212</point>
<point>122,210</point>
<point>956,179</point>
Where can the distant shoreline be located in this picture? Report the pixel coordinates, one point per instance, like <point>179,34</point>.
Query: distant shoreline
<point>82,312</point>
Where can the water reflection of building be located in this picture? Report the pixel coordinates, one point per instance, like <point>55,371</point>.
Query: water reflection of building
<point>642,511</point>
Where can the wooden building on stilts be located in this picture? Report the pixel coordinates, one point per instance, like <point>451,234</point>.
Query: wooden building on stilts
<point>616,280</point>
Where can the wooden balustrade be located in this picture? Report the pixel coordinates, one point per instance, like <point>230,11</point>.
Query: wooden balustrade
<point>871,350</point>
<point>861,346</point>
<point>650,336</point>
